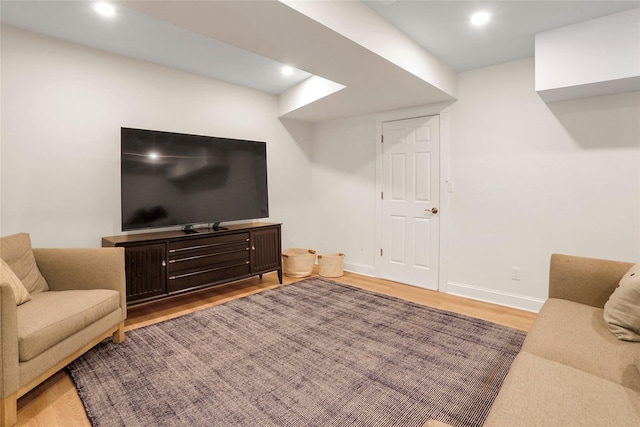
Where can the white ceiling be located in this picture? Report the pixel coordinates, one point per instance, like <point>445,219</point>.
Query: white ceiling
<point>140,36</point>
<point>247,42</point>
<point>442,27</point>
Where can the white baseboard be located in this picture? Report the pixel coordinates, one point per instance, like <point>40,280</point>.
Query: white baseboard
<point>507,299</point>
<point>521,302</point>
<point>365,270</point>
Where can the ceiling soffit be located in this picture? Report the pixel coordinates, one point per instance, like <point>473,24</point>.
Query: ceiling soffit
<point>311,41</point>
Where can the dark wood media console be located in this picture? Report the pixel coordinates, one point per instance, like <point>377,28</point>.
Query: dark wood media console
<point>166,263</point>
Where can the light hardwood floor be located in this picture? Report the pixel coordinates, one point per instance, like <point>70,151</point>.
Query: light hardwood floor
<point>56,403</point>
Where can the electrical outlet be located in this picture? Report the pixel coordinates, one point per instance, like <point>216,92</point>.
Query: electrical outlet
<point>515,273</point>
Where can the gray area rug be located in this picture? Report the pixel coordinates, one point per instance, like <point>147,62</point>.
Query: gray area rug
<point>313,353</point>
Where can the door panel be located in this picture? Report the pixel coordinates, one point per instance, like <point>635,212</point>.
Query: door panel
<point>423,244</point>
<point>422,167</point>
<point>398,177</point>
<point>398,239</point>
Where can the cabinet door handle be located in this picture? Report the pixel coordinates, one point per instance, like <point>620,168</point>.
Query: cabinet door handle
<point>164,263</point>
<point>253,248</point>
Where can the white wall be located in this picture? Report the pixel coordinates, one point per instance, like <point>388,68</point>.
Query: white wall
<point>344,203</point>
<point>62,109</point>
<point>533,179</point>
<point>530,180</point>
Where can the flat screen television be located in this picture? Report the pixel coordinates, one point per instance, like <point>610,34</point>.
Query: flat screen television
<point>174,179</point>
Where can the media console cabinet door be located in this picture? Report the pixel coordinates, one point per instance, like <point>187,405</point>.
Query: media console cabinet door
<point>265,250</point>
<point>145,270</point>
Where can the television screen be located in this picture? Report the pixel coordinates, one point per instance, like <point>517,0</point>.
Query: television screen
<point>170,179</point>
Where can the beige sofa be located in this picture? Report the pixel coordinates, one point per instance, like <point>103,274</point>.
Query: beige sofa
<point>85,303</point>
<point>572,371</point>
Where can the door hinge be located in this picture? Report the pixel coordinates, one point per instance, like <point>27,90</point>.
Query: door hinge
<point>382,195</point>
<point>380,251</point>
<point>382,139</point>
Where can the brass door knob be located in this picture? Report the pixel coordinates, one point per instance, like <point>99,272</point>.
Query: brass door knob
<point>432,210</point>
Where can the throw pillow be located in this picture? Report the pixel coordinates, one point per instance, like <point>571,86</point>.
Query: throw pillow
<point>8,276</point>
<point>16,251</point>
<point>622,310</point>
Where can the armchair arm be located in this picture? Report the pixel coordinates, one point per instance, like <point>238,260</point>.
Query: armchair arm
<point>8,342</point>
<point>584,280</point>
<point>83,268</point>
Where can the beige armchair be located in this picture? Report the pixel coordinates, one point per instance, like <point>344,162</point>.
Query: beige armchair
<point>85,303</point>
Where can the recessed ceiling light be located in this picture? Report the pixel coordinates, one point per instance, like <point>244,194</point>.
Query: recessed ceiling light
<point>481,18</point>
<point>287,70</point>
<point>105,9</point>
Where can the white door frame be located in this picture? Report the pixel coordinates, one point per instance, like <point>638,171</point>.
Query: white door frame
<point>441,110</point>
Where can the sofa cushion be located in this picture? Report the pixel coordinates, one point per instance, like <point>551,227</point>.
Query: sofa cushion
<point>541,392</point>
<point>576,335</point>
<point>53,316</point>
<point>16,251</point>
<point>8,276</point>
<point>622,310</point>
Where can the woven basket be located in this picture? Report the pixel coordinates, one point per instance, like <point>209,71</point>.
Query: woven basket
<point>331,265</point>
<point>298,262</point>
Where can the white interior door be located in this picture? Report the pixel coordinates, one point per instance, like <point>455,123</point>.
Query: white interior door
<point>410,201</point>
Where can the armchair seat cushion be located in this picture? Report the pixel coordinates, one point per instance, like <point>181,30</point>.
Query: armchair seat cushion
<point>53,316</point>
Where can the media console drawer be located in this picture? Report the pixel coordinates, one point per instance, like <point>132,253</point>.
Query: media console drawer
<point>221,273</point>
<point>207,244</point>
<point>165,263</point>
